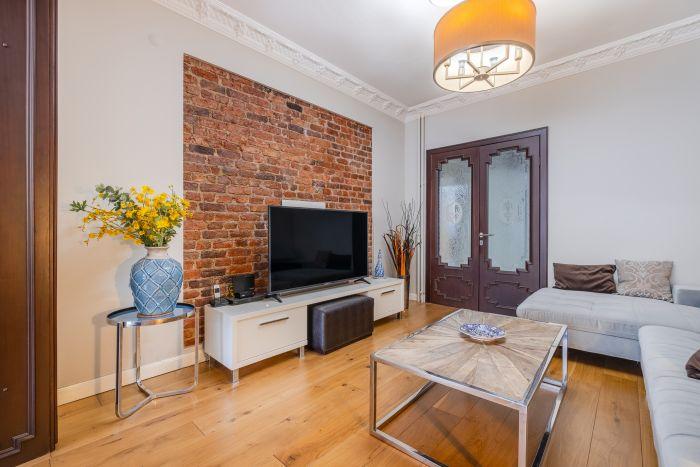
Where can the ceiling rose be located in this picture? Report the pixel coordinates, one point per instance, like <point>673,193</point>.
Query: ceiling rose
<point>484,44</point>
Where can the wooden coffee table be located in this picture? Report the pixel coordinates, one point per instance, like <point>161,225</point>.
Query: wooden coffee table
<point>508,372</point>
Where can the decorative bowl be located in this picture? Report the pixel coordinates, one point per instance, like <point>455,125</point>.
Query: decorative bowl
<point>482,332</point>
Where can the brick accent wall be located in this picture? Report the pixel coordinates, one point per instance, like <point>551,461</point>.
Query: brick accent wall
<point>247,146</point>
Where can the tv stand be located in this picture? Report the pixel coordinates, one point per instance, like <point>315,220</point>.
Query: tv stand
<point>274,296</point>
<point>362,279</point>
<point>240,335</point>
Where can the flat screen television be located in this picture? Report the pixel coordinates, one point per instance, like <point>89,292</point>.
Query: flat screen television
<point>314,247</point>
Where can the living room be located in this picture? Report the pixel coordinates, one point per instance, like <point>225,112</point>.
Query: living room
<point>427,232</point>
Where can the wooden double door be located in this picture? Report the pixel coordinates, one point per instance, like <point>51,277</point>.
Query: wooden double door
<point>487,222</point>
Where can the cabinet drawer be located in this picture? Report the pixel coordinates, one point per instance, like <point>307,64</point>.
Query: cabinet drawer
<point>387,301</point>
<point>263,334</point>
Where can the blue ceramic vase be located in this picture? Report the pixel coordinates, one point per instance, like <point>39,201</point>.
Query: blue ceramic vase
<point>155,282</point>
<point>379,265</point>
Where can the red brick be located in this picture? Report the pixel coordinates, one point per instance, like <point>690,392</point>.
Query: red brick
<point>247,146</point>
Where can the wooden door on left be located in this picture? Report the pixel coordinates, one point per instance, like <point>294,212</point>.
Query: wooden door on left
<point>452,265</point>
<point>27,217</point>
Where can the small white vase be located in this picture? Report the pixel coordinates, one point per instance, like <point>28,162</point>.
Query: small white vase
<point>157,252</point>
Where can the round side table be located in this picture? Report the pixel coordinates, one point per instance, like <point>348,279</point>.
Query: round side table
<point>129,317</point>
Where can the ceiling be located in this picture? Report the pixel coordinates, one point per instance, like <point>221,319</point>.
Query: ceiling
<point>388,43</point>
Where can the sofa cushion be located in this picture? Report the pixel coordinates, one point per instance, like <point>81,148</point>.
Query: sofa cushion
<point>673,398</point>
<point>648,279</point>
<point>588,278</point>
<point>612,315</point>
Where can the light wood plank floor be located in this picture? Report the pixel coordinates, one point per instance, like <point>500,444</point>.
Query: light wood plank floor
<point>314,411</point>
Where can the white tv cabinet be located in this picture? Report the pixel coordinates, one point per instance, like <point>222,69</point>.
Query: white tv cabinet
<point>239,335</point>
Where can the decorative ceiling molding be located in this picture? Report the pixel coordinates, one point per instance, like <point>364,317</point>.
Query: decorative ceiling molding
<point>231,23</point>
<point>652,40</point>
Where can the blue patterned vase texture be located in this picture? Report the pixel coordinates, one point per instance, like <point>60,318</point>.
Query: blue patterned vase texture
<point>155,282</point>
<point>379,265</point>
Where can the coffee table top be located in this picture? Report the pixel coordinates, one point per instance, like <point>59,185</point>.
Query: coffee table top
<point>507,369</point>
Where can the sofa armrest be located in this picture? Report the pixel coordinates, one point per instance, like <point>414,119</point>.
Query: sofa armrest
<point>686,295</point>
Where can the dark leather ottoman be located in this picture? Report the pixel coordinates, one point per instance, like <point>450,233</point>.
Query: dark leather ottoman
<point>337,323</point>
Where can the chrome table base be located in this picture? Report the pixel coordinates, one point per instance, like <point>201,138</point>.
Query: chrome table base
<point>150,395</point>
<point>523,456</point>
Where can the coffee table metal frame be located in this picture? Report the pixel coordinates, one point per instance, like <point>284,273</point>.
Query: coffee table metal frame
<point>520,406</point>
<point>129,317</point>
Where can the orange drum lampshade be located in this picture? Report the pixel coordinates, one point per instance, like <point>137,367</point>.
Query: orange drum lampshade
<point>484,44</point>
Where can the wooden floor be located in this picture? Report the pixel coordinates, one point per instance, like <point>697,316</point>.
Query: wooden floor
<point>288,411</point>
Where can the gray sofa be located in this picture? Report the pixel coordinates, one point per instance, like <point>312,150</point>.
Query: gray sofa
<point>673,398</point>
<point>661,335</point>
<point>605,323</point>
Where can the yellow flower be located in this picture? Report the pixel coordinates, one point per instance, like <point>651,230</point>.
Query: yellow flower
<point>142,217</point>
<point>162,223</point>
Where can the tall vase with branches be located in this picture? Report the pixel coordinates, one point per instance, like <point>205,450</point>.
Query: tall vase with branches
<point>402,240</point>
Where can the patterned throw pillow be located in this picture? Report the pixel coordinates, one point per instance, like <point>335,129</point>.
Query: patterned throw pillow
<point>648,279</point>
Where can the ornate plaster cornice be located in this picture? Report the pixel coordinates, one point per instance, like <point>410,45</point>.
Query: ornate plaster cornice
<point>246,31</point>
<point>652,40</point>
<point>231,23</point>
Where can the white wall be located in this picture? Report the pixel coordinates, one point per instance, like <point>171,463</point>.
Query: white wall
<point>413,173</point>
<point>624,176</point>
<point>120,122</point>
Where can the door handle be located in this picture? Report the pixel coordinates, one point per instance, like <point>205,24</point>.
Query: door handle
<point>484,235</point>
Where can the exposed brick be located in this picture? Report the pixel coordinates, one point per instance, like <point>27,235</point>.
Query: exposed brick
<point>296,128</point>
<point>247,146</point>
<point>294,106</point>
<point>201,149</point>
<point>212,254</point>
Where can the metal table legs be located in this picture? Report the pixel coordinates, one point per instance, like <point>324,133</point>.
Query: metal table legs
<point>150,395</point>
<point>523,455</point>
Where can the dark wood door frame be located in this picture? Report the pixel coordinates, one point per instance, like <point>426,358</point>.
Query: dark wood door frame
<point>542,134</point>
<point>28,131</point>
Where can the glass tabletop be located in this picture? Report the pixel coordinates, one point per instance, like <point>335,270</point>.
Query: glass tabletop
<point>129,317</point>
<point>507,368</point>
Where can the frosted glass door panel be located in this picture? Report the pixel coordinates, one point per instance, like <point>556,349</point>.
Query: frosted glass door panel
<point>509,210</point>
<point>455,212</point>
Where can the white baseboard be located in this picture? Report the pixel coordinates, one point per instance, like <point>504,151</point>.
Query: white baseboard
<point>413,296</point>
<point>107,383</point>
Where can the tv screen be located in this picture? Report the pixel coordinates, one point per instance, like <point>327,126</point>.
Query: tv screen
<point>310,247</point>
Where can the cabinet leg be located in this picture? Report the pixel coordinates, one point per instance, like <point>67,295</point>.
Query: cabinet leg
<point>301,352</point>
<point>234,377</point>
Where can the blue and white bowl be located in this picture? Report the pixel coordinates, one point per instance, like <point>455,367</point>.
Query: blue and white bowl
<point>482,332</point>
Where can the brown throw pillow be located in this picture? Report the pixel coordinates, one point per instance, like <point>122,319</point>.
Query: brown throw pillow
<point>693,366</point>
<point>588,278</point>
